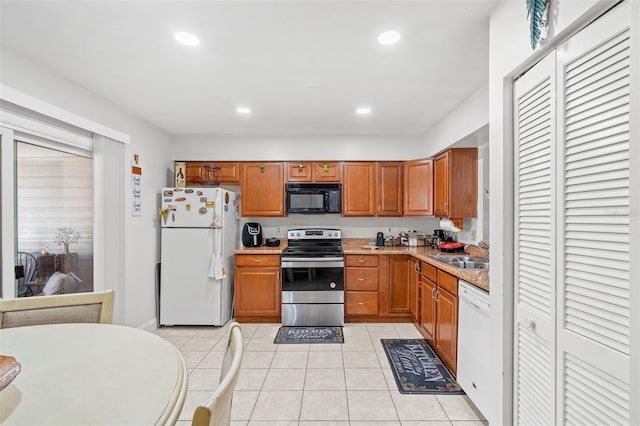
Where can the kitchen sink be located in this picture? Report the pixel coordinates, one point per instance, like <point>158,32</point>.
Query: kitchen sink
<point>463,262</point>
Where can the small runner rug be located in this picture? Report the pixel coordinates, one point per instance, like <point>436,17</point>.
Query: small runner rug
<point>417,369</point>
<point>309,335</point>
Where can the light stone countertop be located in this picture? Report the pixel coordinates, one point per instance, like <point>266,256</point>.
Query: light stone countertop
<point>477,277</point>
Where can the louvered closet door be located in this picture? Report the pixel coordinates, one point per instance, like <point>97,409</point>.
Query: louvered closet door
<point>534,249</point>
<point>593,274</point>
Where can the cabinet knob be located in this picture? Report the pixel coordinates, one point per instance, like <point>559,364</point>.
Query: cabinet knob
<point>360,279</point>
<point>360,260</point>
<point>360,303</point>
<point>257,260</point>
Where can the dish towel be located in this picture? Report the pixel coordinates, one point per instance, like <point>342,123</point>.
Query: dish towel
<point>217,270</point>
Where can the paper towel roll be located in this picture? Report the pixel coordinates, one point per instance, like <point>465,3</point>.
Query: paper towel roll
<point>447,225</point>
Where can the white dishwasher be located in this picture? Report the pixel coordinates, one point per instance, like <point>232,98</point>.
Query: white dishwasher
<point>473,344</point>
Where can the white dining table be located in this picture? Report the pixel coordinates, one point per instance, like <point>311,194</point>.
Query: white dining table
<point>91,374</point>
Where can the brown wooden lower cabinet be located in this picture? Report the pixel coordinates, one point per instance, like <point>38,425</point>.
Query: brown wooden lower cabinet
<point>361,285</point>
<point>414,290</point>
<point>399,299</point>
<point>361,303</point>
<point>377,288</point>
<point>439,309</point>
<point>257,295</point>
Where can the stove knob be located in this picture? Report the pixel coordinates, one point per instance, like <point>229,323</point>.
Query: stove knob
<point>297,234</point>
<point>332,285</point>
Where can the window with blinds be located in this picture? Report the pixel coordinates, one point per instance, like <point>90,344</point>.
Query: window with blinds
<point>54,189</point>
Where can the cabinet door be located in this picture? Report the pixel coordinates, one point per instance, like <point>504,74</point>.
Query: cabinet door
<point>327,171</point>
<point>414,271</point>
<point>358,196</point>
<point>399,284</point>
<point>222,171</point>
<point>447,328</point>
<point>418,188</point>
<point>194,172</point>
<point>262,189</point>
<point>428,310</point>
<point>257,291</point>
<point>389,189</point>
<point>441,186</point>
<point>299,171</point>
<point>456,183</point>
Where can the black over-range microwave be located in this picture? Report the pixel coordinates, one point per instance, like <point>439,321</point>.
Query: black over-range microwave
<point>314,197</point>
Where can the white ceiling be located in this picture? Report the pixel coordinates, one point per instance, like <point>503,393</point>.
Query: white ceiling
<point>301,66</point>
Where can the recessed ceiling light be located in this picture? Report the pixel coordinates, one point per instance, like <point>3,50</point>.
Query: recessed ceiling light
<point>389,37</point>
<point>187,39</point>
<point>363,111</point>
<point>243,110</point>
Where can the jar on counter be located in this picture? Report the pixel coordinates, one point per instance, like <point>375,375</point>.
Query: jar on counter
<point>413,239</point>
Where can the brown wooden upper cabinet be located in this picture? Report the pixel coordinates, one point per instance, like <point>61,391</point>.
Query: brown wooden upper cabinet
<point>389,188</point>
<point>358,189</point>
<point>262,188</point>
<point>455,191</point>
<point>210,172</point>
<point>316,171</point>
<point>418,187</point>
<point>372,188</point>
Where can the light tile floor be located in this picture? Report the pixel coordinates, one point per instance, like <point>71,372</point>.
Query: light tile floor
<point>313,385</point>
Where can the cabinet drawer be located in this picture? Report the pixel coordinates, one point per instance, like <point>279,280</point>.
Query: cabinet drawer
<point>257,260</point>
<point>362,279</point>
<point>448,282</point>
<point>355,260</point>
<point>428,271</point>
<point>361,303</point>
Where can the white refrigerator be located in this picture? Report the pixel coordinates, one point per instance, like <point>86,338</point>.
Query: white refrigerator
<point>199,235</point>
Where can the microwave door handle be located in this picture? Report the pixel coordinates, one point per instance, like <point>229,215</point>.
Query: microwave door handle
<point>325,205</point>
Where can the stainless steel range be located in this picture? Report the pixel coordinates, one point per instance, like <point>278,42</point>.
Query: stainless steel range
<point>313,278</point>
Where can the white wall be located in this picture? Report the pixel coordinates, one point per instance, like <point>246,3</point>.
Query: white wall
<point>510,54</point>
<point>364,148</point>
<point>465,120</point>
<point>141,248</point>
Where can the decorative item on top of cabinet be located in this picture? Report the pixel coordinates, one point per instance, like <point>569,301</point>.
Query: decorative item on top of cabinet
<point>316,171</point>
<point>257,288</point>
<point>455,175</point>
<point>262,189</point>
<point>418,187</point>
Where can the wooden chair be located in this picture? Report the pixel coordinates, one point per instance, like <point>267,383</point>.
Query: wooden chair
<point>217,410</point>
<point>65,308</point>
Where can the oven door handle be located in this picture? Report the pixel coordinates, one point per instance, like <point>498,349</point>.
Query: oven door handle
<point>312,262</point>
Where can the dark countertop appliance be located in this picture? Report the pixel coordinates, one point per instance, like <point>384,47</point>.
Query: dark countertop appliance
<point>252,234</point>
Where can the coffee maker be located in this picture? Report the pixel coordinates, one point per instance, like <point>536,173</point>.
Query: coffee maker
<point>439,238</point>
<point>252,234</point>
